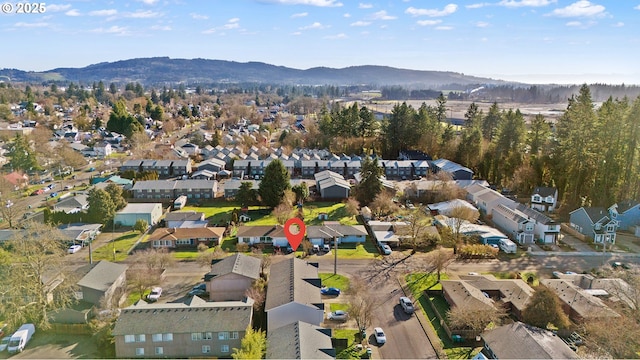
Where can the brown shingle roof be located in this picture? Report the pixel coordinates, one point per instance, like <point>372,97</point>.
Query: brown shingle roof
<point>186,233</point>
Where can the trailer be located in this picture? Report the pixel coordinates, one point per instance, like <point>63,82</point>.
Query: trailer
<point>180,202</point>
<point>20,338</point>
<point>507,246</point>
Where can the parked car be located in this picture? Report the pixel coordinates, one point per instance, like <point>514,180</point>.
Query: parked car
<point>155,293</point>
<point>68,187</point>
<point>330,291</point>
<point>620,265</point>
<point>53,194</point>
<point>37,192</point>
<point>407,305</point>
<point>4,343</point>
<point>381,338</point>
<point>386,249</point>
<point>326,247</point>
<point>338,315</point>
<point>74,249</point>
<point>198,290</point>
<point>315,249</point>
<point>51,186</point>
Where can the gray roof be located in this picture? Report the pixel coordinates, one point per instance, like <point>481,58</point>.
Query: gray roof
<point>78,201</point>
<point>300,340</point>
<point>139,208</point>
<point>450,166</point>
<point>293,280</point>
<point>154,184</point>
<point>195,315</point>
<point>596,214</point>
<point>174,184</point>
<point>184,216</point>
<point>580,301</point>
<point>240,264</point>
<point>333,181</point>
<point>532,343</point>
<point>544,191</point>
<point>330,230</point>
<point>537,216</point>
<point>102,275</point>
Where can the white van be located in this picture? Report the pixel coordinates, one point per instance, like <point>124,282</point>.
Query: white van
<point>20,338</point>
<point>508,246</point>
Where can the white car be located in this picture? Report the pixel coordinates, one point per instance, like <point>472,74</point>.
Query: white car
<point>407,305</point>
<point>386,249</point>
<point>155,293</point>
<point>74,249</point>
<point>4,343</point>
<point>381,338</point>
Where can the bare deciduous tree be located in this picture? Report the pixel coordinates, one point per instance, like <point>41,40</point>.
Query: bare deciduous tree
<point>415,233</point>
<point>361,306</point>
<point>474,319</point>
<point>206,257</point>
<point>459,215</point>
<point>439,259</point>
<point>383,205</point>
<point>282,213</point>
<point>351,206</point>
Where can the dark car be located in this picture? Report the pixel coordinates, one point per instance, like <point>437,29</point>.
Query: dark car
<point>620,265</point>
<point>330,291</point>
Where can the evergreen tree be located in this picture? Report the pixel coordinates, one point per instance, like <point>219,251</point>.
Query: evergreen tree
<point>121,121</point>
<point>274,183</point>
<point>370,184</point>
<point>246,195</point>
<point>101,207</point>
<point>22,156</point>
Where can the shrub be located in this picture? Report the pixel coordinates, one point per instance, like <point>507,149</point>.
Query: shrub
<point>242,247</point>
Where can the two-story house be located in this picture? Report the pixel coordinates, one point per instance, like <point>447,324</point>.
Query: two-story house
<point>594,223</point>
<point>627,214</point>
<point>195,328</point>
<point>514,223</point>
<point>544,198</point>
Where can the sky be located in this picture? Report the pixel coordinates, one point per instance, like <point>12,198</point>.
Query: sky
<point>534,41</point>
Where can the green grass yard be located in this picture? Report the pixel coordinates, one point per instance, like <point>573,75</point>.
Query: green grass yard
<point>338,281</point>
<point>350,351</point>
<point>119,245</point>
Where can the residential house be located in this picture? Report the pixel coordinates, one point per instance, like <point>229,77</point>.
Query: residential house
<point>475,190</point>
<point>457,171</point>
<point>578,303</point>
<point>594,223</point>
<point>448,207</point>
<point>514,223</point>
<point>488,201</point>
<point>178,238</point>
<point>204,175</point>
<point>330,231</point>
<point>293,294</point>
<point>191,149</point>
<point>185,219</point>
<point>80,234</point>
<point>213,165</point>
<point>546,230</point>
<point>104,281</point>
<point>149,212</point>
<point>255,234</point>
<point>532,343</point>
<point>17,179</point>
<point>181,167</point>
<point>132,165</point>
<point>512,294</point>
<point>485,234</point>
<point>193,189</point>
<point>72,204</point>
<point>331,185</point>
<point>300,340</point>
<point>231,277</point>
<point>544,198</point>
<point>627,214</point>
<point>195,328</point>
<point>103,149</point>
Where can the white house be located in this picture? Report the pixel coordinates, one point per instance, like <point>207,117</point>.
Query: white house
<point>544,198</point>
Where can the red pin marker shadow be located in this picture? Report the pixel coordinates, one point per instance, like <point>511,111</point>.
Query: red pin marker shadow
<point>294,239</point>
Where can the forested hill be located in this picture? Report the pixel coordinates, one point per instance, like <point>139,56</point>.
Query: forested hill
<point>159,70</point>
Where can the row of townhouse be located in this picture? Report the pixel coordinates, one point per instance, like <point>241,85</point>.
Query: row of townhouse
<point>164,168</point>
<point>193,189</point>
<point>520,222</point>
<point>316,234</point>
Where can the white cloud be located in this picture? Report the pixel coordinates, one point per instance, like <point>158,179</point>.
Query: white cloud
<point>482,24</point>
<point>477,6</point>
<point>484,39</point>
<point>618,24</point>
<point>143,14</point>
<point>365,6</point>
<point>234,20</point>
<point>574,23</point>
<point>522,3</point>
<point>315,25</point>
<point>336,37</point>
<point>444,27</point>
<point>31,25</point>
<point>231,25</point>
<point>637,7</point>
<point>72,12</point>
<point>117,30</point>
<point>361,23</point>
<point>319,3</point>
<point>197,16</point>
<point>209,31</point>
<point>382,15</point>
<point>57,8</point>
<point>161,27</point>
<point>347,15</point>
<point>299,15</point>
<point>148,2</point>
<point>581,8</point>
<point>428,22</point>
<point>447,10</point>
<point>104,12</point>
<point>296,33</point>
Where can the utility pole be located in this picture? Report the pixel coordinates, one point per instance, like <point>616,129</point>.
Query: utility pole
<point>335,255</point>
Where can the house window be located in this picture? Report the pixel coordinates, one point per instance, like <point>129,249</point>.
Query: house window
<point>529,227</point>
<point>234,335</point>
<point>224,335</point>
<point>196,336</point>
<point>224,348</point>
<point>184,242</point>
<point>156,337</point>
<point>129,338</point>
<point>159,350</point>
<point>140,338</point>
<point>167,337</point>
<point>206,349</point>
<point>207,335</point>
<point>610,228</point>
<point>139,351</point>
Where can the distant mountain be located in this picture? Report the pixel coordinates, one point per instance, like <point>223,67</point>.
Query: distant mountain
<point>159,70</point>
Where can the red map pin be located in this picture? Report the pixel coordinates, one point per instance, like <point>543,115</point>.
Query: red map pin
<point>294,237</point>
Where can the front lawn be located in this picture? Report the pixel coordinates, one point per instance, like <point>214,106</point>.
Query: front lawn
<point>419,282</point>
<point>337,281</point>
<point>350,351</point>
<point>365,250</point>
<point>338,306</point>
<point>120,246</point>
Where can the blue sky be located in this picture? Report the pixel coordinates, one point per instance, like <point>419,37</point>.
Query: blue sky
<point>537,41</point>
